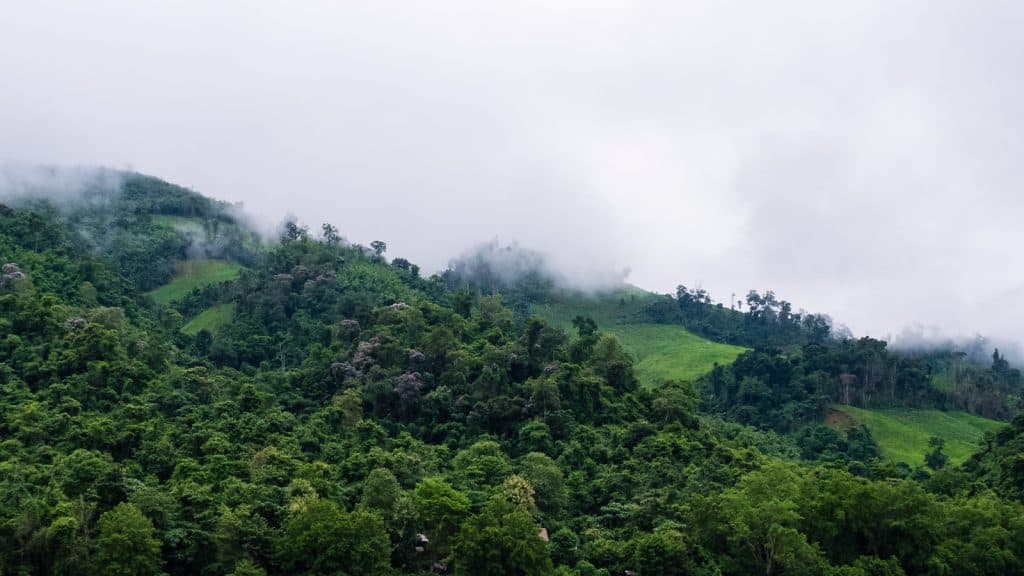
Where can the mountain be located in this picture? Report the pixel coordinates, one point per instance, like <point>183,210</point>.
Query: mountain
<point>180,396</point>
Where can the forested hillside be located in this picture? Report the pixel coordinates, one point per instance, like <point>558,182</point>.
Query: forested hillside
<point>310,406</point>
<point>801,373</point>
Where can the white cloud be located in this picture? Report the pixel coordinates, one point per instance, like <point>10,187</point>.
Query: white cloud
<point>859,159</point>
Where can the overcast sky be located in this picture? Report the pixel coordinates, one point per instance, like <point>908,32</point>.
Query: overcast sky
<point>860,158</point>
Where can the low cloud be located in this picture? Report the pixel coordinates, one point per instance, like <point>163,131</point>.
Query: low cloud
<point>510,263</point>
<point>860,158</point>
<point>979,348</point>
<point>65,186</point>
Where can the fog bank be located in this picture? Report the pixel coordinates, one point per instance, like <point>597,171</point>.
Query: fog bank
<point>858,159</point>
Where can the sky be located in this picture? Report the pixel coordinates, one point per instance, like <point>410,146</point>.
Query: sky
<point>860,159</point>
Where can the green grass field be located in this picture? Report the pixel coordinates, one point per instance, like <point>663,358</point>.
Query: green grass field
<point>193,274</point>
<point>666,352</point>
<point>662,351</point>
<point>902,433</point>
<point>211,319</point>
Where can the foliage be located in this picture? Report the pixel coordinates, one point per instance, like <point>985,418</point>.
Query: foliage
<point>125,545</point>
<point>320,538</point>
<point>995,390</point>
<point>1000,460</point>
<point>766,322</point>
<point>502,539</point>
<point>340,414</point>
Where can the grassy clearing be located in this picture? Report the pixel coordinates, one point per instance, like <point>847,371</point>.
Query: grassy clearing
<point>902,433</point>
<point>192,274</point>
<point>211,319</point>
<point>666,352</point>
<point>662,351</point>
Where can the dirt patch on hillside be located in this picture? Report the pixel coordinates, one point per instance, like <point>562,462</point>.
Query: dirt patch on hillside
<point>839,420</point>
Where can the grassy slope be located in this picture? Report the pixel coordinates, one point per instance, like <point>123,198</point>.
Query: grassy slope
<point>902,433</point>
<point>210,319</point>
<point>193,274</point>
<point>662,351</point>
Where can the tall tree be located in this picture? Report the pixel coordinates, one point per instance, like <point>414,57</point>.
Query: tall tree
<point>126,544</point>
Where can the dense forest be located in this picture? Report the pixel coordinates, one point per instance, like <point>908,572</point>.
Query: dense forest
<point>347,415</point>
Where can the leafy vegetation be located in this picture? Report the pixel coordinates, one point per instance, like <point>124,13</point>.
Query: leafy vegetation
<point>992,389</point>
<point>1000,461</point>
<point>178,222</point>
<point>337,413</point>
<point>767,322</point>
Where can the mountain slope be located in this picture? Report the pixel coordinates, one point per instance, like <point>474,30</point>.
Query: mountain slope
<point>331,412</point>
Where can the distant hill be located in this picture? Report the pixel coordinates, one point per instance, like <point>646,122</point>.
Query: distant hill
<point>143,225</point>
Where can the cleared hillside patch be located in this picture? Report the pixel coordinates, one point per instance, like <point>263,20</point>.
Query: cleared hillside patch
<point>192,274</point>
<point>210,320</point>
<point>662,351</point>
<point>665,352</point>
<point>902,433</point>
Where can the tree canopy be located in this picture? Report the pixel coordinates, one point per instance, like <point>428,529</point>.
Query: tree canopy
<point>343,414</point>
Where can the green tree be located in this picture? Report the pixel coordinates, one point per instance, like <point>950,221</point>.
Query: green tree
<point>241,535</point>
<point>762,514</point>
<point>382,494</point>
<point>676,401</point>
<point>667,553</point>
<point>319,537</point>
<point>503,540</point>
<point>248,568</point>
<point>585,327</point>
<point>546,478</point>
<point>441,510</point>
<point>330,234</point>
<point>479,467</point>
<point>935,458</point>
<point>462,302</point>
<point>126,545</point>
<point>493,313</point>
